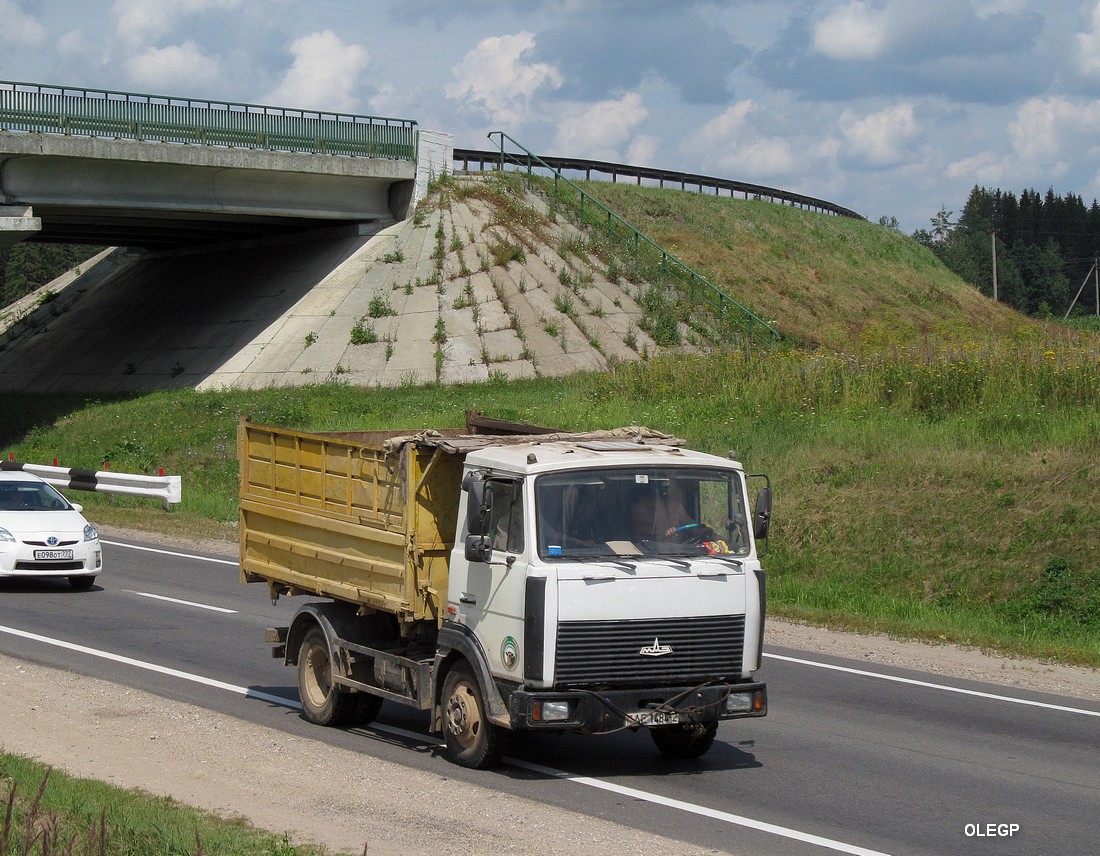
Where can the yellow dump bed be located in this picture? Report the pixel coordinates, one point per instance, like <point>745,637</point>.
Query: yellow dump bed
<point>367,517</point>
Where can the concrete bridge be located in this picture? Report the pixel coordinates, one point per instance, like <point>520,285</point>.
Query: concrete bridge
<point>113,168</point>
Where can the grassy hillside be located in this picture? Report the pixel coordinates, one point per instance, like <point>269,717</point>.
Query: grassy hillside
<point>933,455</point>
<point>829,282</point>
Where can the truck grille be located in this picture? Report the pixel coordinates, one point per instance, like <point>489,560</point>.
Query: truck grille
<point>609,653</point>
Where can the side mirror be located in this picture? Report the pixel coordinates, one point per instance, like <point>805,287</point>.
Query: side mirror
<point>479,507</point>
<point>478,548</point>
<point>479,504</point>
<point>762,516</point>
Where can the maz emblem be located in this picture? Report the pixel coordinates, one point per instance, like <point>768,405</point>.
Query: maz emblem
<point>656,649</point>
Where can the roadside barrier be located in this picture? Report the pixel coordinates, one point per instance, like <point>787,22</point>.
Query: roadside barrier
<point>168,489</point>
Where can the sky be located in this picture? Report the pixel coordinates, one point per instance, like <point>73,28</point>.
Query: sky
<point>893,108</point>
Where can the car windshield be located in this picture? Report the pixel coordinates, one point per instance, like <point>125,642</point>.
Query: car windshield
<point>628,512</point>
<point>31,496</point>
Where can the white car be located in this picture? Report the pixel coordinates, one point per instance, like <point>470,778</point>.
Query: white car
<point>42,534</point>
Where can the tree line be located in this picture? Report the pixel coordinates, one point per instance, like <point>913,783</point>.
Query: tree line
<point>30,265</point>
<point>1044,245</point>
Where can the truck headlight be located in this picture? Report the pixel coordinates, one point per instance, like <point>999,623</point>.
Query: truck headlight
<point>738,702</point>
<point>551,711</point>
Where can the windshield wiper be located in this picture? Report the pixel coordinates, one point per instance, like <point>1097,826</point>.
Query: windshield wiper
<point>616,561</point>
<point>735,562</point>
<point>680,563</point>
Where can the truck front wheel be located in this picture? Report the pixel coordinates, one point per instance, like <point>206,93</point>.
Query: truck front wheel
<point>323,702</point>
<point>472,740</point>
<point>685,741</point>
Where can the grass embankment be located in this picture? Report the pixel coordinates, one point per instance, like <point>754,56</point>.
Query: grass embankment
<point>834,283</point>
<point>49,813</point>
<point>946,495</point>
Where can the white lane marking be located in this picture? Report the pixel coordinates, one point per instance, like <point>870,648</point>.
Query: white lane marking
<point>182,602</point>
<point>691,808</point>
<point>657,799</point>
<point>930,685</point>
<point>152,667</point>
<point>172,553</point>
<point>633,793</point>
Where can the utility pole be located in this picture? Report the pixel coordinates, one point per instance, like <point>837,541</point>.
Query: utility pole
<point>1095,273</point>
<point>994,236</point>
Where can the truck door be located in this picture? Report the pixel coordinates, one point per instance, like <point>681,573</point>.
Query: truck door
<point>490,602</point>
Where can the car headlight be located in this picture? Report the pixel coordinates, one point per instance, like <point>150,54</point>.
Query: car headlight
<point>5,535</point>
<point>90,533</point>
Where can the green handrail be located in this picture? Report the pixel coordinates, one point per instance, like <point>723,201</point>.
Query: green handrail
<point>698,287</point>
<point>75,111</point>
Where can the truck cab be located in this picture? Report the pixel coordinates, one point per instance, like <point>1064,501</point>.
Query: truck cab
<point>609,585</point>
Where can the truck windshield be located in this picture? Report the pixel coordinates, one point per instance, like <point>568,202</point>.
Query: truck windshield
<point>624,512</point>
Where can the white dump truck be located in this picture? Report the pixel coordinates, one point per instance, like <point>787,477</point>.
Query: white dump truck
<point>511,578</point>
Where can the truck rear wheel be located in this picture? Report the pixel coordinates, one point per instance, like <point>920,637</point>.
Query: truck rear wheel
<point>323,702</point>
<point>472,740</point>
<point>685,741</point>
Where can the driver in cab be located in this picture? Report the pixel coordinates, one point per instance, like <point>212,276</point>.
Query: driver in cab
<point>655,515</point>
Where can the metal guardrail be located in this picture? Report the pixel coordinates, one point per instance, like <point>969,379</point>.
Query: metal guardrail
<point>168,489</point>
<point>700,289</point>
<point>686,180</point>
<point>75,111</point>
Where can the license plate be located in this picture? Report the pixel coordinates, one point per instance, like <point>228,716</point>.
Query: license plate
<point>654,717</point>
<point>52,555</point>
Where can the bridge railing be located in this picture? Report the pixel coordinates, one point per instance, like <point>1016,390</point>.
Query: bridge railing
<point>670,177</point>
<point>158,118</point>
<point>647,253</point>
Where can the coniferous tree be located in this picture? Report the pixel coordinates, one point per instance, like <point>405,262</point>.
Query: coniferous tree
<point>1045,244</point>
<point>30,265</point>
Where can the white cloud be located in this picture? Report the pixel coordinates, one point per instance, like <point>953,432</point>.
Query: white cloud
<point>1035,131</point>
<point>1054,131</point>
<point>173,66</point>
<point>643,149</point>
<point>19,27</point>
<point>1088,46</point>
<point>142,21</point>
<point>880,137</point>
<point>74,43</point>
<point>599,130</point>
<point>494,76</point>
<point>985,168</point>
<point>854,32</point>
<point>1048,137</point>
<point>728,143</point>
<point>324,75</point>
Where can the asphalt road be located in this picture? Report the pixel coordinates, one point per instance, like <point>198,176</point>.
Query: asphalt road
<point>851,758</point>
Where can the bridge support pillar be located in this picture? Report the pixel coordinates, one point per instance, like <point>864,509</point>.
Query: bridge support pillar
<point>16,223</point>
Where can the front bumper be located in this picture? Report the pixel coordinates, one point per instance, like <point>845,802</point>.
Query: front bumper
<point>596,711</point>
<point>80,558</point>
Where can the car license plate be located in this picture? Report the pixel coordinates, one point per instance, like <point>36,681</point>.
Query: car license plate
<point>52,555</point>
<point>654,717</point>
